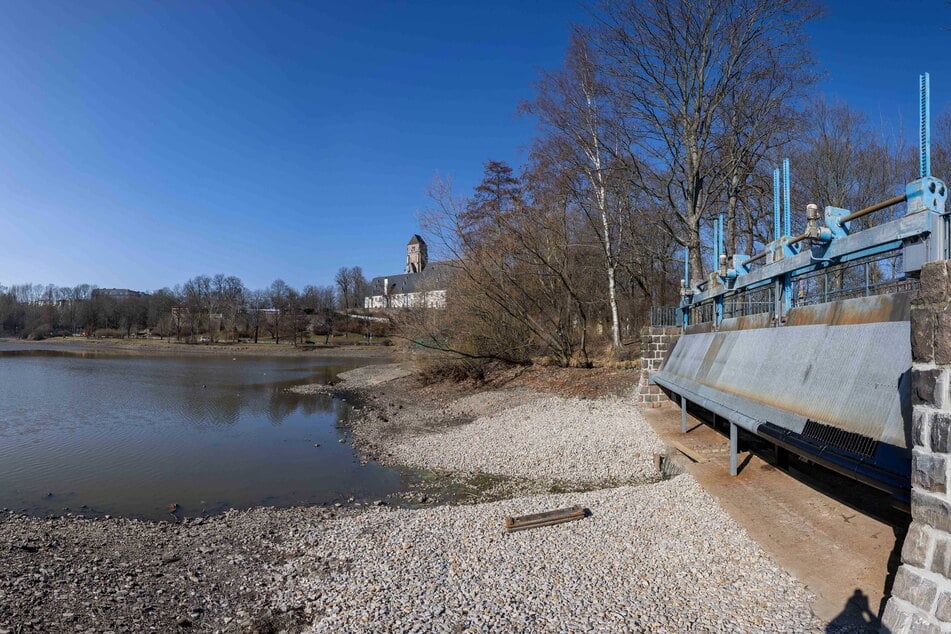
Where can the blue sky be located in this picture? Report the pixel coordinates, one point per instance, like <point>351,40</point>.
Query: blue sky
<point>144,143</point>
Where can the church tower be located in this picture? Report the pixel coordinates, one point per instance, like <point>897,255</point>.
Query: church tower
<point>416,255</point>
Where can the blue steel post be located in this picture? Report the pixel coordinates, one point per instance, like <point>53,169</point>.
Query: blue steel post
<point>787,215</point>
<point>686,306</point>
<point>721,244</point>
<point>787,211</point>
<point>924,126</point>
<point>686,322</point>
<point>776,216</point>
<point>718,302</point>
<point>716,241</point>
<point>683,414</point>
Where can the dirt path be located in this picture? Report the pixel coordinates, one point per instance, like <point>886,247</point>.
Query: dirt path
<point>842,540</point>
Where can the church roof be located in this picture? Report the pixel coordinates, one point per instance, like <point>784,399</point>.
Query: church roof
<point>434,277</point>
<point>416,240</point>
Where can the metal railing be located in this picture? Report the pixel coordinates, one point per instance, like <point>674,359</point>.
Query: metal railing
<point>664,316</point>
<point>873,275</point>
<point>749,302</point>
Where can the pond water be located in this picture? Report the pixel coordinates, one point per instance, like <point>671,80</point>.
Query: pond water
<point>124,435</point>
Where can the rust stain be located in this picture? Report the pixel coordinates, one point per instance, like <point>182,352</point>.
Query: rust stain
<point>712,352</point>
<point>858,310</point>
<point>748,322</point>
<point>696,329</point>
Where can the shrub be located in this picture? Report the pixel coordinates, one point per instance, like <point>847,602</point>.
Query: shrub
<point>455,370</point>
<point>39,333</point>
<point>103,333</point>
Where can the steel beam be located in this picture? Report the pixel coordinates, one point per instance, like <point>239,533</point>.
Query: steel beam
<point>734,446</point>
<point>878,239</point>
<point>683,414</point>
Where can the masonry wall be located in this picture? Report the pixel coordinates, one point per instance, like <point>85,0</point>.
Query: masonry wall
<point>656,342</point>
<point>921,594</point>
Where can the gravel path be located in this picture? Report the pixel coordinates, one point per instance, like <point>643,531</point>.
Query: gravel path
<point>569,440</point>
<point>659,558</point>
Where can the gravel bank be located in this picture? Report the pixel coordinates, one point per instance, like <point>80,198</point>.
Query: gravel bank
<point>577,441</point>
<point>221,573</point>
<point>657,558</point>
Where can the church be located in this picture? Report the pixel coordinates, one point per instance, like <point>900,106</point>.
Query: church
<point>421,285</point>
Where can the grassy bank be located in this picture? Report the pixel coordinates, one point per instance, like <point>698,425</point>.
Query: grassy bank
<point>349,345</point>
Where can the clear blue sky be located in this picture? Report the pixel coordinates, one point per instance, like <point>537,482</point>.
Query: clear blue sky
<point>144,143</point>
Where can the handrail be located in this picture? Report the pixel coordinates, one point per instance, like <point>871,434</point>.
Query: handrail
<point>897,200</point>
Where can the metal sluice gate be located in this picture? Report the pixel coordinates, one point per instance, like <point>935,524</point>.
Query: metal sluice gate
<point>807,344</point>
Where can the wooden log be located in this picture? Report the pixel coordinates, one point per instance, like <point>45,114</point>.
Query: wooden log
<point>690,453</point>
<point>548,518</point>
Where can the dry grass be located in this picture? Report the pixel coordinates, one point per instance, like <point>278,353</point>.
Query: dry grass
<point>607,378</point>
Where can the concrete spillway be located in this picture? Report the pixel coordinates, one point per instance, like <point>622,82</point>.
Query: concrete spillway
<point>832,383</point>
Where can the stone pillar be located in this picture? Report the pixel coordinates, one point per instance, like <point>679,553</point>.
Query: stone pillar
<point>921,594</point>
<point>656,342</point>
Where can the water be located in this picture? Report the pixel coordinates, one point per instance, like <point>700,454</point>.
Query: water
<point>130,436</point>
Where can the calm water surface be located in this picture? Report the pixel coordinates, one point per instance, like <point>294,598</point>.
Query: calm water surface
<point>131,435</point>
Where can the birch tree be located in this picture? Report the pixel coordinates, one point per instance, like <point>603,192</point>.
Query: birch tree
<point>574,114</point>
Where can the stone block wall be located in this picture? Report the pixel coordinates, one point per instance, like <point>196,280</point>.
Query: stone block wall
<point>656,342</point>
<point>921,594</point>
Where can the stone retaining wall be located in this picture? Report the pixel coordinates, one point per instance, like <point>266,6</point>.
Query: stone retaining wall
<point>921,594</point>
<point>656,342</point>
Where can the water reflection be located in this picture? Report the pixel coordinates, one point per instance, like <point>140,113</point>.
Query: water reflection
<point>129,435</point>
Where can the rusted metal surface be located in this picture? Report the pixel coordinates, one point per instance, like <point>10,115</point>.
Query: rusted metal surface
<point>548,518</point>
<point>836,365</point>
<point>706,326</point>
<point>748,322</point>
<point>858,310</point>
<point>891,202</point>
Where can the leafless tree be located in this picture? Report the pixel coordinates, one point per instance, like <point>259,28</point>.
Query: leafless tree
<point>579,128</point>
<point>941,146</point>
<point>512,289</point>
<point>678,70</point>
<point>278,295</point>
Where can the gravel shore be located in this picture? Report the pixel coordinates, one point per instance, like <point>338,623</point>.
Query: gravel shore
<point>654,555</point>
<point>562,440</point>
<point>656,558</point>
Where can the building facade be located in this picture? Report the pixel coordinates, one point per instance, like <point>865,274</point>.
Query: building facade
<point>422,285</point>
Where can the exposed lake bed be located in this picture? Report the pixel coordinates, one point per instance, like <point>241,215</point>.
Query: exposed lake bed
<point>655,555</point>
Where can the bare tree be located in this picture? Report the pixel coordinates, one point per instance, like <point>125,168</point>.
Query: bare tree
<point>512,283</point>
<point>345,291</point>
<point>278,294</point>
<point>320,302</point>
<point>574,111</point>
<point>941,147</point>
<point>257,304</point>
<point>675,68</point>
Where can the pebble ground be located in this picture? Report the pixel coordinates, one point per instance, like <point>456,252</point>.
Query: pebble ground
<point>571,440</point>
<point>656,558</point>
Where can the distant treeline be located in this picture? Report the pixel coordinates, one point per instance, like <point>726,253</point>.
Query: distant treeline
<point>205,308</point>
